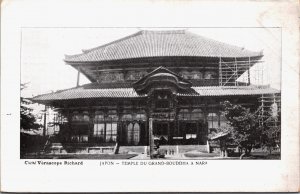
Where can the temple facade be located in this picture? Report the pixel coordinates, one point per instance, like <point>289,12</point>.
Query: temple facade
<point>171,82</point>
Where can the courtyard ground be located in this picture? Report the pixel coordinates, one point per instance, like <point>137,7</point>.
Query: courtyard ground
<point>191,155</point>
<point>213,156</point>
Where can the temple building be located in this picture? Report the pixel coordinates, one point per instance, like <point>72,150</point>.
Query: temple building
<point>171,81</point>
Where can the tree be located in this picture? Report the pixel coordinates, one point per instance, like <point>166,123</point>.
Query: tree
<point>244,127</point>
<point>27,119</point>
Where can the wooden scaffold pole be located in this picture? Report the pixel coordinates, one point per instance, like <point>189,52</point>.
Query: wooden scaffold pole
<point>249,65</point>
<point>220,73</point>
<point>78,76</point>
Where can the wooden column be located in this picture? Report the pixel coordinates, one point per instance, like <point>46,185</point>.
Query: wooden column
<point>45,122</point>
<point>219,117</point>
<point>205,123</point>
<point>148,114</point>
<point>184,130</point>
<point>146,131</point>
<point>69,125</point>
<point>198,132</point>
<point>91,114</point>
<point>176,127</point>
<point>119,125</point>
<point>169,132</point>
<point>151,140</point>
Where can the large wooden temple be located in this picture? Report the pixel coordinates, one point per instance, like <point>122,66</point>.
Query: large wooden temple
<point>172,81</point>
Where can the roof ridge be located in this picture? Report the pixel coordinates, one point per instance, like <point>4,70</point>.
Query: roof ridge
<point>163,31</point>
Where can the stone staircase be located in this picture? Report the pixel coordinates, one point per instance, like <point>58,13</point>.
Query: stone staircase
<point>169,149</point>
<point>54,146</point>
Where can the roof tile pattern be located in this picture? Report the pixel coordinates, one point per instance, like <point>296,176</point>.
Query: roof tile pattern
<point>160,44</point>
<point>94,90</point>
<point>229,91</point>
<point>88,91</point>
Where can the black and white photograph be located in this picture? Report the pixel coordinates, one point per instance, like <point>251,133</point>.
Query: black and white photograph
<point>149,96</point>
<point>150,93</point>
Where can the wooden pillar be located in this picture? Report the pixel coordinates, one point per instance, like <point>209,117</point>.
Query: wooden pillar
<point>205,122</point>
<point>45,121</point>
<point>148,110</point>
<point>151,140</point>
<point>176,127</point>
<point>132,134</point>
<point>146,132</point>
<point>184,130</point>
<point>225,153</point>
<point>169,132</point>
<point>105,123</point>
<point>198,133</point>
<point>122,132</point>
<point>69,125</point>
<point>90,124</point>
<point>219,118</point>
<point>119,125</point>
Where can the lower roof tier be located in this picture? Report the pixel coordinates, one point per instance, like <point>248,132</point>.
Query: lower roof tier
<point>94,90</point>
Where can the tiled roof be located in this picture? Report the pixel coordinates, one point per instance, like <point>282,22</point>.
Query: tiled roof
<point>159,44</point>
<point>229,91</point>
<point>94,90</point>
<point>88,91</point>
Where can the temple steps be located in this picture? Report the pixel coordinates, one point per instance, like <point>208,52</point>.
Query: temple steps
<point>58,148</point>
<point>170,149</point>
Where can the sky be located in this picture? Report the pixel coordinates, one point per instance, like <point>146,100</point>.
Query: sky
<point>43,50</point>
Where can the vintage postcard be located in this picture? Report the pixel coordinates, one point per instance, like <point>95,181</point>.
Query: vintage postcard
<point>98,102</point>
<point>155,93</point>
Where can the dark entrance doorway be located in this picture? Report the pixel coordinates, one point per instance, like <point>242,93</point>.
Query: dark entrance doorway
<point>161,132</point>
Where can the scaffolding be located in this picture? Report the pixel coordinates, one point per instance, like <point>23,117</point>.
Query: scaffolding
<point>269,116</point>
<point>269,110</point>
<point>237,72</point>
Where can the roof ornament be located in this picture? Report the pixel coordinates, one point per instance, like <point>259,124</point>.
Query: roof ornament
<point>261,51</point>
<point>157,77</point>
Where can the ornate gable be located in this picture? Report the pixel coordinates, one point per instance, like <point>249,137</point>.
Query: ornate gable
<point>161,78</point>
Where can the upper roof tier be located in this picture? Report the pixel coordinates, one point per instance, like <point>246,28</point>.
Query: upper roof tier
<point>145,44</point>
